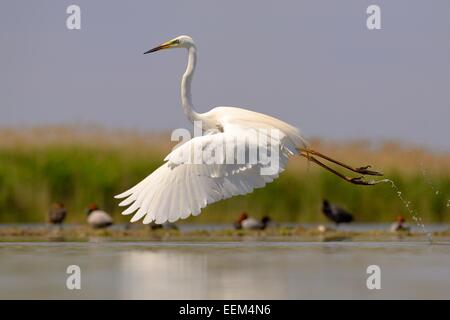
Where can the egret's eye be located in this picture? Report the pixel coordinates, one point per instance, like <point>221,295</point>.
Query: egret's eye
<point>176,41</point>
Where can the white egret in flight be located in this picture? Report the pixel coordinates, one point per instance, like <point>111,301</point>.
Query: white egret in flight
<point>178,189</point>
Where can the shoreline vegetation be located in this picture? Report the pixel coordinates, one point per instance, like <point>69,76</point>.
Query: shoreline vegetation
<point>81,165</point>
<point>82,233</point>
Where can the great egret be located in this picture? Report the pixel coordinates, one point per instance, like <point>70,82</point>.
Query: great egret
<point>178,189</point>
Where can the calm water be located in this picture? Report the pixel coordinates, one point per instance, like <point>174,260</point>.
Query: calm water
<point>233,270</point>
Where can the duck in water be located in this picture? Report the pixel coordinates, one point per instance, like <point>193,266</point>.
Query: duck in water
<point>335,213</point>
<point>57,213</point>
<point>399,225</point>
<point>98,218</point>
<point>244,222</point>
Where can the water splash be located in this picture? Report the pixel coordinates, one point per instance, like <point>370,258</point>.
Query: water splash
<point>426,176</point>
<point>413,212</point>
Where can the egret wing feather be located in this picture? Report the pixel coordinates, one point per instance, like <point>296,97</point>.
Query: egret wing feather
<point>181,187</point>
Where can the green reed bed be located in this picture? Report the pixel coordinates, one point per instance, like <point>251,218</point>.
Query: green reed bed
<point>77,173</point>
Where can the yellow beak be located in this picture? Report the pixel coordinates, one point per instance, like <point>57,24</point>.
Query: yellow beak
<point>165,45</point>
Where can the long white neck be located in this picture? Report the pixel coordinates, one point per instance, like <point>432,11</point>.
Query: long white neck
<point>186,98</point>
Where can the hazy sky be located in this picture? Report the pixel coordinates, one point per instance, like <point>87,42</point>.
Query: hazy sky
<point>313,63</point>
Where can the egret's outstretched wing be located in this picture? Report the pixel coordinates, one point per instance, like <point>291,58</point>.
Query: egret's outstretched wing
<point>188,182</point>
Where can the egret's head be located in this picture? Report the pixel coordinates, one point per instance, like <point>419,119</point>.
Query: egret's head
<point>178,42</point>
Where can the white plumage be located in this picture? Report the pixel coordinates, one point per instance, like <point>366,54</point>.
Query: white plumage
<point>99,219</point>
<point>251,223</point>
<point>177,189</point>
<point>181,186</point>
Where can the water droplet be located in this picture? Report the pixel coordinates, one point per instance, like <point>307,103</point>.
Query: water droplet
<point>414,214</point>
<point>430,183</point>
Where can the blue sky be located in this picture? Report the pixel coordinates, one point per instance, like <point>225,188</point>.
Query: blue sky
<point>312,63</point>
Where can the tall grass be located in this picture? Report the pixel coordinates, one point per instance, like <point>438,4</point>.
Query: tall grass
<point>80,166</point>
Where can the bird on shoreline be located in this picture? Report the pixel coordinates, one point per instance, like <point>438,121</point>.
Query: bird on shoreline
<point>399,225</point>
<point>335,213</point>
<point>57,213</point>
<point>180,188</point>
<point>166,226</point>
<point>97,218</point>
<point>245,222</point>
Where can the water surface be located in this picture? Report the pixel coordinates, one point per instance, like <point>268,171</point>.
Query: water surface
<point>224,270</point>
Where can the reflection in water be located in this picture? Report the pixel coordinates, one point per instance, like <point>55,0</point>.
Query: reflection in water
<point>240,270</point>
<point>162,274</point>
<point>195,275</point>
<point>316,271</point>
